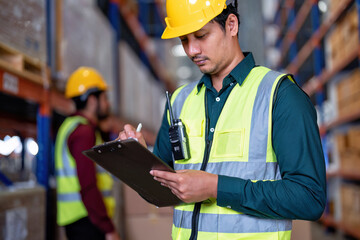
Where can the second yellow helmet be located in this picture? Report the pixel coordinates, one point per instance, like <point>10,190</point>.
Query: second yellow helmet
<point>82,80</point>
<point>187,16</point>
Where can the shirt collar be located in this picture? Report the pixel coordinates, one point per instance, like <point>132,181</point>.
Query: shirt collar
<point>239,73</point>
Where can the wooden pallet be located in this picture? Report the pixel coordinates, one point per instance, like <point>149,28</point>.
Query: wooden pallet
<point>21,65</point>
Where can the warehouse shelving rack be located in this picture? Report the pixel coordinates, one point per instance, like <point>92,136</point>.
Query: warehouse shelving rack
<point>137,26</point>
<point>33,83</point>
<point>315,86</point>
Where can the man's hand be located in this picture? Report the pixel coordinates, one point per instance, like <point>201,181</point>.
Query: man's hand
<point>189,185</point>
<point>112,236</point>
<point>130,132</point>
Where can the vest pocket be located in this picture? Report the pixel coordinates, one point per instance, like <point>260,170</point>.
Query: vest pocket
<point>229,143</point>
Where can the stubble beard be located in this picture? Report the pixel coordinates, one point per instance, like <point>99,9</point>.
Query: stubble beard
<point>210,70</point>
<point>103,114</point>
<point>204,58</point>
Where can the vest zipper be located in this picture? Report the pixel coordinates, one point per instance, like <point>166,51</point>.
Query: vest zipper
<point>196,212</point>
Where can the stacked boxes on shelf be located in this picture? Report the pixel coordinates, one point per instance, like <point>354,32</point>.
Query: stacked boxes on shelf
<point>23,37</point>
<point>336,91</point>
<point>351,31</point>
<point>343,39</point>
<point>342,44</point>
<point>22,213</point>
<point>155,223</point>
<point>23,27</point>
<point>85,38</point>
<point>348,149</point>
<point>350,160</point>
<point>350,205</point>
<point>348,94</point>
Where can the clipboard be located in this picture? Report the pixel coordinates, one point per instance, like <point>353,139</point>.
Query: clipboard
<point>131,162</point>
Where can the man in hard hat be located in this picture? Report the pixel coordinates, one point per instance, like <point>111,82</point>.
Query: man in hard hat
<point>256,160</point>
<point>85,203</point>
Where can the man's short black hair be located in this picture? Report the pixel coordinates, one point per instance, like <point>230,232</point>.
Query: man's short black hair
<point>80,101</point>
<point>223,16</point>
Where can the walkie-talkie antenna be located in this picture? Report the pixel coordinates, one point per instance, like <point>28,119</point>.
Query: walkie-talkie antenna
<point>170,109</point>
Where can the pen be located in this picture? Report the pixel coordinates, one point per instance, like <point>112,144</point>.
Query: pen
<point>138,129</point>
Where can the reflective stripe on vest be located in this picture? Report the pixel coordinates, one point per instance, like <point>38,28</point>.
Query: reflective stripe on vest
<point>70,205</point>
<point>244,224</point>
<point>70,197</point>
<point>241,148</point>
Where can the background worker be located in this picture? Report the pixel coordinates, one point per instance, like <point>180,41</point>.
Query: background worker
<point>256,155</point>
<point>84,201</point>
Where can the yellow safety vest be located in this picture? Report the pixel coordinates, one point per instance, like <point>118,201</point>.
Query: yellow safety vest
<point>241,147</point>
<point>70,207</point>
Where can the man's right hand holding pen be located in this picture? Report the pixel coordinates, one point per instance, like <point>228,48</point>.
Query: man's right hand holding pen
<point>130,132</point>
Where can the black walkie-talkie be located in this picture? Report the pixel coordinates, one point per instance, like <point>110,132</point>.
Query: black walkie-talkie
<point>177,134</point>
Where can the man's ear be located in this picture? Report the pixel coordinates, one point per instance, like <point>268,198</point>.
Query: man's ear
<point>91,102</point>
<point>232,25</point>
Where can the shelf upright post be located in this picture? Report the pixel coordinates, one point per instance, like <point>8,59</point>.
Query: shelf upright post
<point>291,20</point>
<point>43,133</point>
<point>280,21</point>
<point>318,52</point>
<point>317,55</point>
<point>43,115</point>
<point>318,67</point>
<point>293,50</point>
<point>143,18</point>
<point>144,15</point>
<point>44,157</point>
<point>114,18</point>
<point>277,21</point>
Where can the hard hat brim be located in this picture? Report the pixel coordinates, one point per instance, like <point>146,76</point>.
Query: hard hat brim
<point>183,30</point>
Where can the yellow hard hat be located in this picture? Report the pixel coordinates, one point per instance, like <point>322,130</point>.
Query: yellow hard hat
<point>187,16</point>
<point>82,80</point>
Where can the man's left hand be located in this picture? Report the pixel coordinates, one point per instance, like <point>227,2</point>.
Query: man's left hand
<point>189,185</point>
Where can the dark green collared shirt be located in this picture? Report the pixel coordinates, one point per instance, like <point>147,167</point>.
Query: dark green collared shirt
<point>301,194</point>
<point>216,100</point>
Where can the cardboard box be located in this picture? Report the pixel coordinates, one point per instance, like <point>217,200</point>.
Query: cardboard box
<point>23,27</point>
<point>354,138</point>
<point>341,142</point>
<point>348,94</point>
<point>334,5</point>
<point>343,39</point>
<point>334,41</point>
<point>22,214</point>
<point>155,223</point>
<point>350,205</point>
<point>355,81</point>
<point>351,31</point>
<point>137,206</point>
<point>85,38</point>
<point>350,161</point>
<point>301,230</point>
<point>149,228</point>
